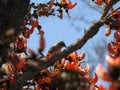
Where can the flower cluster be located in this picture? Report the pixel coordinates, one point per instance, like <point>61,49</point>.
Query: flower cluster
<point>31,22</point>
<point>18,55</point>
<point>112,74</point>
<point>101,2</point>
<point>26,29</point>
<point>113,22</point>
<point>112,19</point>
<point>9,70</point>
<point>69,72</point>
<point>47,9</point>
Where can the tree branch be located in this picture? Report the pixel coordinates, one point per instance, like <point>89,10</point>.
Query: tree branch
<point>12,14</point>
<point>46,62</point>
<point>107,8</point>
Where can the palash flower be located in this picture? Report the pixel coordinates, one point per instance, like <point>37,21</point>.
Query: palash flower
<point>63,2</point>
<point>43,9</point>
<point>21,42</point>
<point>116,15</point>
<point>115,86</point>
<point>70,70</point>
<point>68,3</point>
<point>108,32</point>
<point>114,48</point>
<point>100,2</point>
<point>117,35</point>
<point>93,79</point>
<point>84,71</point>
<point>72,61</point>
<point>114,21</point>
<point>113,68</point>
<point>71,65</point>
<point>113,61</point>
<point>112,74</point>
<point>101,87</point>
<point>112,87</point>
<point>6,69</point>
<point>102,73</point>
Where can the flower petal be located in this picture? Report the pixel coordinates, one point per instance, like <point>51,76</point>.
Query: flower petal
<point>111,49</point>
<point>95,78</point>
<point>102,73</point>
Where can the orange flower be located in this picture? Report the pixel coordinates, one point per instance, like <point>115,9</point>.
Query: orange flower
<point>116,15</point>
<point>42,43</point>
<point>84,71</point>
<point>37,87</point>
<point>74,66</point>
<point>73,56</point>
<point>20,65</point>
<point>57,72</point>
<point>117,35</point>
<point>114,47</point>
<point>20,45</point>
<point>41,80</point>
<point>93,79</point>
<point>70,5</point>
<point>101,87</point>
<point>63,2</point>
<point>112,87</point>
<point>108,32</point>
<point>102,73</point>
<point>34,23</point>
<point>60,13</point>
<point>10,70</point>
<point>21,42</point>
<point>113,61</point>
<point>31,30</point>
<point>63,62</point>
<point>51,4</point>
<point>47,79</point>
<point>67,65</point>
<point>12,78</point>
<point>100,2</point>
<point>106,1</point>
<point>82,56</point>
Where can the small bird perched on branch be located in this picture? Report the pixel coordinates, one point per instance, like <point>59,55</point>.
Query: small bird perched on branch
<point>56,48</point>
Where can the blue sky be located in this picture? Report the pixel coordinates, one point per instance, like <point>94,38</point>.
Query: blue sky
<point>66,29</point>
<point>69,29</point>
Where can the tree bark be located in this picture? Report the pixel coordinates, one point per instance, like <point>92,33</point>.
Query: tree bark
<point>12,13</point>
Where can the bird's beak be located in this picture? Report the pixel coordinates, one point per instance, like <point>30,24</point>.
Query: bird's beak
<point>65,45</point>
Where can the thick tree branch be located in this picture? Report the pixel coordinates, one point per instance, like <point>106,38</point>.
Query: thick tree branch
<point>107,8</point>
<point>45,62</point>
<point>12,13</point>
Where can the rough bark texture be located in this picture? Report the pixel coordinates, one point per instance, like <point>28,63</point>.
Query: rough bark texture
<point>12,13</point>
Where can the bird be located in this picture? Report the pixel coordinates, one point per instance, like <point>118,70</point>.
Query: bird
<point>56,48</point>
